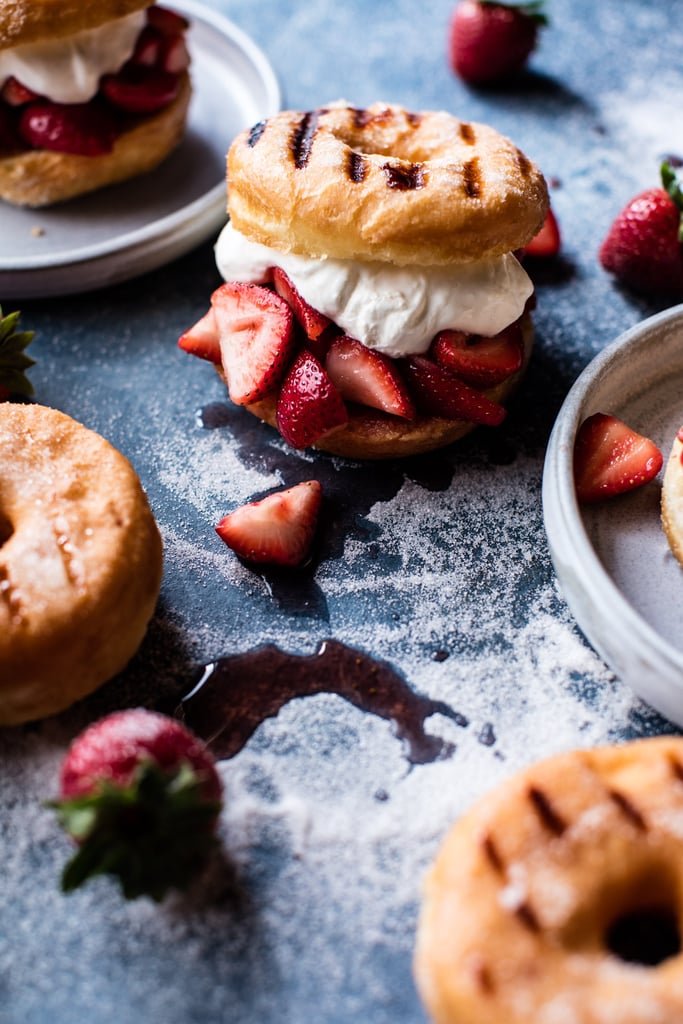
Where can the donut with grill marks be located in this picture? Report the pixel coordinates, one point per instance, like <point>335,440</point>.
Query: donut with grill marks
<point>80,562</point>
<point>383,183</point>
<point>558,898</point>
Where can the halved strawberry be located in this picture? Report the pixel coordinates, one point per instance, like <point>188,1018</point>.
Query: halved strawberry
<point>439,393</point>
<point>309,405</point>
<point>313,322</point>
<point>276,530</point>
<point>611,458</point>
<point>368,377</point>
<point>256,332</point>
<point>148,47</point>
<point>202,339</point>
<point>140,90</point>
<point>16,94</point>
<point>80,128</point>
<point>166,21</point>
<point>479,361</point>
<point>174,56</point>
<point>547,242</point>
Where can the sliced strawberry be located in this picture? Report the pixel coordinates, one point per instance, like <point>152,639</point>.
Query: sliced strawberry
<point>368,377</point>
<point>479,361</point>
<point>278,529</point>
<point>166,21</point>
<point>547,242</point>
<point>81,128</point>
<point>140,90</point>
<point>256,332</point>
<point>148,47</point>
<point>611,458</point>
<point>16,94</point>
<point>202,339</point>
<point>313,322</point>
<point>309,405</point>
<point>174,55</point>
<point>438,393</point>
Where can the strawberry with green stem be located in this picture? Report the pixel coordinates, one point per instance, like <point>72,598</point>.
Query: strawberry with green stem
<point>140,796</point>
<point>13,358</point>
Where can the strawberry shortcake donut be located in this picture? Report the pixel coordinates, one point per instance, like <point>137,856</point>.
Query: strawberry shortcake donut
<point>672,498</point>
<point>374,305</point>
<point>559,896</point>
<point>80,562</point>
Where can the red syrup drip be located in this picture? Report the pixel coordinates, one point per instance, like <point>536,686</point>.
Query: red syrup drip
<point>235,694</point>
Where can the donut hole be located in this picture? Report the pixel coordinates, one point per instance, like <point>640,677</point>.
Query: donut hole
<point>6,529</point>
<point>645,935</point>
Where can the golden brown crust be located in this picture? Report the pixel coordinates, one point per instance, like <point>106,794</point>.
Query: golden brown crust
<point>383,184</point>
<point>28,21</point>
<point>40,177</point>
<point>523,892</point>
<point>80,562</point>
<point>672,498</point>
<point>371,434</point>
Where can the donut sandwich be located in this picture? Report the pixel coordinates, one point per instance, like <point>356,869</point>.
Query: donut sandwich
<point>374,304</point>
<point>92,92</point>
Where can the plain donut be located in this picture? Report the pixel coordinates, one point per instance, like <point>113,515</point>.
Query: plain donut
<point>533,902</point>
<point>80,561</point>
<point>383,184</point>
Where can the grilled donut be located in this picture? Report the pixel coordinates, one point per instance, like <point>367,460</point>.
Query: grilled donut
<point>559,896</point>
<point>80,562</point>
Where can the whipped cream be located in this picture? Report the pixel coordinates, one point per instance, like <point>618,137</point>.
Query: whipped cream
<point>69,70</point>
<point>395,310</point>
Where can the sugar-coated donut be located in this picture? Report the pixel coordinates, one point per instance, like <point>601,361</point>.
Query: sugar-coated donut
<point>672,498</point>
<point>373,435</point>
<point>383,183</point>
<point>558,898</point>
<point>40,177</point>
<point>80,562</point>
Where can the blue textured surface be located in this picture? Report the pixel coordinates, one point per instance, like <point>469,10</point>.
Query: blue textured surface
<point>312,913</point>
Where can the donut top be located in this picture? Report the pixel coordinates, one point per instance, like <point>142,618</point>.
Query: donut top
<point>383,183</point>
<point>30,21</point>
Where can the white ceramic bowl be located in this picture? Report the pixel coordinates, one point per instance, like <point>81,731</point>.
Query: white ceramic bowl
<point>613,562</point>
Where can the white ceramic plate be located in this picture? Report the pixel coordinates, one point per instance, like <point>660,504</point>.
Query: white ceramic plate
<point>622,583</point>
<point>127,229</point>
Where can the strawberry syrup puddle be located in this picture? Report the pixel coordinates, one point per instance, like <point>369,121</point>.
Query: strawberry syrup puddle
<point>235,694</point>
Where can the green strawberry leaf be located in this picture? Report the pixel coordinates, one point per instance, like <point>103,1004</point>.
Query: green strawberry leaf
<point>672,184</point>
<point>534,9</point>
<point>13,359</point>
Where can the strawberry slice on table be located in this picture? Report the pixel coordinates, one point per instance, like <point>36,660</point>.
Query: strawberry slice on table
<point>479,361</point>
<point>489,41</point>
<point>309,405</point>
<point>141,797</point>
<point>202,339</point>
<point>86,129</point>
<point>547,242</point>
<point>367,377</point>
<point>313,322</point>
<point>611,458</point>
<point>439,393</point>
<point>277,530</point>
<point>256,333</point>
<point>643,246</point>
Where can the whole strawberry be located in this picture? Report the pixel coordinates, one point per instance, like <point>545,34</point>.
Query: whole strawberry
<point>489,41</point>
<point>643,247</point>
<point>141,796</point>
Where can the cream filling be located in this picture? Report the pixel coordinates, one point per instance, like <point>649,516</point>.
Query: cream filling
<point>69,70</point>
<point>395,310</point>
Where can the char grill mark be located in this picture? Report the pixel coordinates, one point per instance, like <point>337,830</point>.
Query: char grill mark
<point>405,177</point>
<point>482,977</point>
<point>472,179</point>
<point>358,167</point>
<point>467,133</point>
<point>492,855</point>
<point>628,809</point>
<point>546,812</point>
<point>525,913</point>
<point>255,133</point>
<point>303,138</point>
<point>524,163</point>
<point>414,120</point>
<point>677,769</point>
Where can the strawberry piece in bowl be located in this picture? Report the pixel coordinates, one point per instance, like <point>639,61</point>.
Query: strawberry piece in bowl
<point>309,406</point>
<point>256,334</point>
<point>140,796</point>
<point>610,458</point>
<point>277,530</point>
<point>481,362</point>
<point>368,377</point>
